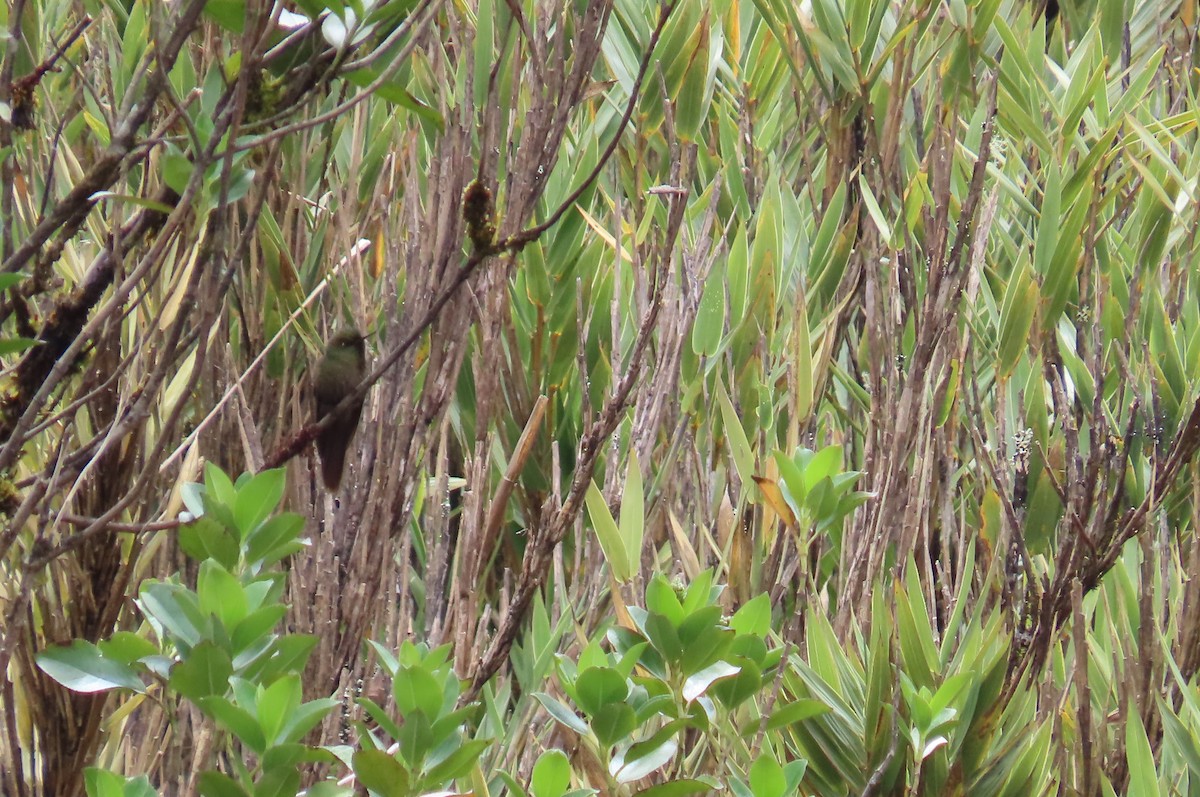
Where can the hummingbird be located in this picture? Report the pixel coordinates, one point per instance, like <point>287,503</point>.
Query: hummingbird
<point>339,371</point>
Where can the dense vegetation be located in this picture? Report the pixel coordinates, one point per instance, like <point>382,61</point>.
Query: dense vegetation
<point>769,397</point>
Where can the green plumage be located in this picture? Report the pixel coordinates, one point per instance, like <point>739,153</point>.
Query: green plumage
<point>340,370</point>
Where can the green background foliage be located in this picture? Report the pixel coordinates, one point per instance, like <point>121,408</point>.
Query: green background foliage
<point>785,398</point>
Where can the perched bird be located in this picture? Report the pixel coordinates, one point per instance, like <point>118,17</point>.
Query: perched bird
<point>340,370</point>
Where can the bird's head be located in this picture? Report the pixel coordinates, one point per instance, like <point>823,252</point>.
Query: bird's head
<point>348,338</point>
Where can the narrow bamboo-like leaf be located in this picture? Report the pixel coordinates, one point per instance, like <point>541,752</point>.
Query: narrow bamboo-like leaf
<point>633,513</point>
<point>609,534</point>
<point>1016,319</point>
<point>1049,222</point>
<point>692,102</point>
<point>875,212</point>
<point>739,445</point>
<point>775,499</point>
<point>561,713</point>
<point>802,362</point>
<point>16,345</point>
<point>1059,278</point>
<point>484,42</point>
<point>710,316</point>
<point>1143,779</point>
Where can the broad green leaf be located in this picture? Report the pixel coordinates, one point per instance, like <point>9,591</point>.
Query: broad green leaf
<point>613,723</point>
<point>551,774</point>
<point>257,498</point>
<point>680,788</point>
<point>416,690</point>
<point>639,768</point>
<point>82,668</point>
<point>597,687</point>
<point>754,617</point>
<point>203,672</point>
<point>381,773</point>
<point>698,683</point>
<point>221,594</point>
<point>766,777</point>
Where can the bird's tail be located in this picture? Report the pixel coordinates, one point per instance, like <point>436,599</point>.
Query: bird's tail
<point>333,461</point>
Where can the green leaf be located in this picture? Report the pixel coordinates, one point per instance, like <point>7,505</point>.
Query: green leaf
<point>208,539</point>
<point>102,783</point>
<point>16,345</point>
<point>693,99</point>
<point>484,43</point>
<point>766,777</point>
<point>681,787</point>
<point>257,498</point>
<point>1050,221</point>
<point>754,617</point>
<point>561,713</point>
<point>710,316</point>
<point>664,637</point>
<point>514,788</point>
<point>697,684</point>
<point>735,435</point>
<point>217,784</point>
<point>639,768</point>
<point>381,773</point>
<point>275,539</point>
<point>236,720</point>
<point>1143,781</point>
<point>633,513</point>
<point>277,704</point>
<point>551,774</point>
<point>609,535</point>
<point>176,170</point>
<point>126,647</point>
<point>796,711</point>
<point>741,687</point>
<point>203,672</point>
<point>613,723</point>
<point>287,654</point>
<point>661,598</point>
<point>218,489</point>
<point>7,280</point>
<point>875,212</point>
<point>221,594</point>
<point>416,690</point>
<point>397,94</point>
<point>597,687</point>
<point>82,668</point>
<point>133,199</point>
<point>229,14</point>
<point>1016,319</point>
<point>458,763</point>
